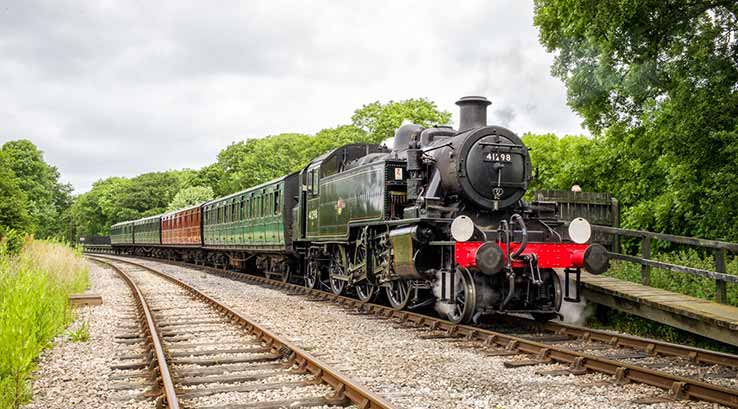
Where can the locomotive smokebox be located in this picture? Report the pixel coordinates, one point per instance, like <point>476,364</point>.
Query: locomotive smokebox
<point>473,112</point>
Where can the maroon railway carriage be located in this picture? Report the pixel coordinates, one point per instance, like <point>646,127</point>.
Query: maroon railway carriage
<point>182,227</point>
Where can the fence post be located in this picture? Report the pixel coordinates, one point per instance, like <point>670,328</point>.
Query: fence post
<point>721,290</point>
<point>615,210</point>
<point>646,253</point>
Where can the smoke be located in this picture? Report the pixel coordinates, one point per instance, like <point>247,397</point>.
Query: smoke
<point>573,312</point>
<point>504,115</point>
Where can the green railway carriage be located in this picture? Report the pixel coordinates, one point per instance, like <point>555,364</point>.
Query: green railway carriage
<point>336,197</point>
<point>258,218</point>
<point>121,233</point>
<point>147,230</point>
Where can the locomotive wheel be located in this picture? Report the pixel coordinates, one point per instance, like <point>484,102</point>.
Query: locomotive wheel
<point>338,268</point>
<point>398,294</point>
<point>553,280</point>
<point>312,275</point>
<point>465,300</point>
<point>366,291</point>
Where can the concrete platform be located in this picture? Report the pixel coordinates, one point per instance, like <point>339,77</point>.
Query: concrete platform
<point>696,315</point>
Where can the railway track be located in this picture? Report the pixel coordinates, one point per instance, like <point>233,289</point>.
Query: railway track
<point>204,354</point>
<point>684,372</point>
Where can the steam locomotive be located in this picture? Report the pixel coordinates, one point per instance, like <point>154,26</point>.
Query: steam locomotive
<point>437,220</point>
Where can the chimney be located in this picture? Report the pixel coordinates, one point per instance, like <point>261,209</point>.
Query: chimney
<point>473,112</point>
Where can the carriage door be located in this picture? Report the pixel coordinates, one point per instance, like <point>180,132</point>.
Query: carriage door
<point>302,217</point>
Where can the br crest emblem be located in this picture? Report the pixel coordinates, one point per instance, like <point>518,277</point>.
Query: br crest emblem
<point>339,206</point>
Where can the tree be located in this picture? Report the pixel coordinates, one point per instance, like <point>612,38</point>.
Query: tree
<point>148,194</point>
<point>48,198</point>
<point>14,205</point>
<point>331,138</point>
<point>95,211</point>
<point>211,176</point>
<point>656,82</point>
<point>560,163</point>
<point>380,120</point>
<point>190,196</point>
<point>256,161</point>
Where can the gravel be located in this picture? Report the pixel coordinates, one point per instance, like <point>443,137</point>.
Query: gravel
<point>415,373</point>
<point>171,305</point>
<point>76,374</point>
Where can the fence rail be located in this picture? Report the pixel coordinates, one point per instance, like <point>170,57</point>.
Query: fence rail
<point>719,247</point>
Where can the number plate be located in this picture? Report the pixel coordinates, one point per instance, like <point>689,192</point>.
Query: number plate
<point>498,157</point>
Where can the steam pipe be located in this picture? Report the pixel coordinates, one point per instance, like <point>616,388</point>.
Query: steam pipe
<point>505,228</point>
<point>510,291</point>
<point>516,218</point>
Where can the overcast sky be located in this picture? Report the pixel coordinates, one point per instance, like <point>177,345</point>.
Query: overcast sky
<point>121,88</point>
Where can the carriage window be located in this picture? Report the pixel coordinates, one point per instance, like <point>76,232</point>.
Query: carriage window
<point>276,202</point>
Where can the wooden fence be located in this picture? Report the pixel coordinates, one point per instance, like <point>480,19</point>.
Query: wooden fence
<point>718,247</point>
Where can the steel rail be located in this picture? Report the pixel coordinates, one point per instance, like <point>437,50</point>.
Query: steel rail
<point>677,386</point>
<point>345,387</point>
<point>170,394</point>
<point>651,346</point>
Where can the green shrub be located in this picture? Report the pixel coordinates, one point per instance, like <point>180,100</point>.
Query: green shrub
<point>34,288</point>
<point>11,241</point>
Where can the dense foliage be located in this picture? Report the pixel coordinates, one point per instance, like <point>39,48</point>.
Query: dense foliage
<point>34,200</point>
<point>14,206</point>
<point>115,199</point>
<point>190,196</point>
<point>657,83</point>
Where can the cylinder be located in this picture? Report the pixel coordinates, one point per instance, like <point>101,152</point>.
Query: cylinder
<point>472,112</point>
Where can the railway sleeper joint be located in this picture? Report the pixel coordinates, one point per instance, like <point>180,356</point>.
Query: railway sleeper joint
<point>578,366</point>
<point>679,391</point>
<point>621,376</point>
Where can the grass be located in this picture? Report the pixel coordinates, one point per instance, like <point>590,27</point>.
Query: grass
<point>34,288</point>
<point>681,283</point>
<point>81,334</point>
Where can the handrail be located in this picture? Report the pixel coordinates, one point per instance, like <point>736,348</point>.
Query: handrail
<point>720,248</point>
<point>693,241</point>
